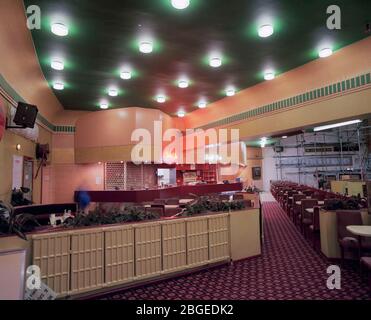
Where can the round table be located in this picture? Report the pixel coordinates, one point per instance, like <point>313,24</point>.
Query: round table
<point>361,231</point>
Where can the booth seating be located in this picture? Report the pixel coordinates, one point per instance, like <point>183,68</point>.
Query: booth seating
<point>295,209</point>
<point>305,219</point>
<point>347,241</point>
<point>313,228</point>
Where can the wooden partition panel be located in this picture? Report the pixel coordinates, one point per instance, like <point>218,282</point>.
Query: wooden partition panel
<point>197,241</point>
<point>119,255</point>
<point>51,253</point>
<point>80,261</point>
<point>147,250</point>
<point>174,245</point>
<point>87,260</point>
<point>219,237</point>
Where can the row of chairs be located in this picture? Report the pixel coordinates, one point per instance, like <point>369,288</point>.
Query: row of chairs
<point>288,194</point>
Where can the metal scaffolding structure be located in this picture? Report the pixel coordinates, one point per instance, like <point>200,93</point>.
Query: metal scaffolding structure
<point>353,144</point>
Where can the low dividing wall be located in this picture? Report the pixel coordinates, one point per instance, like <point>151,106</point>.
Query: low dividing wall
<point>351,188</point>
<point>90,260</point>
<point>150,195</point>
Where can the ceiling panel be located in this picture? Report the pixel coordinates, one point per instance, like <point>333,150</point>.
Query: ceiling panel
<point>104,37</point>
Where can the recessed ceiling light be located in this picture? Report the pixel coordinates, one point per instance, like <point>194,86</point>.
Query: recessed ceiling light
<point>183,83</point>
<point>125,74</point>
<point>202,104</point>
<point>215,62</point>
<point>57,64</point>
<point>58,85</point>
<point>265,30</point>
<point>230,91</point>
<point>104,105</point>
<point>269,75</point>
<point>325,52</point>
<point>113,92</point>
<point>146,46</point>
<point>180,4</point>
<point>161,98</point>
<point>181,114</point>
<point>284,137</point>
<point>263,142</point>
<point>59,29</point>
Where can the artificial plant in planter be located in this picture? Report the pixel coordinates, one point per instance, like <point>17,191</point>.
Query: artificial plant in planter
<point>103,217</point>
<point>16,224</point>
<point>337,204</point>
<point>206,204</point>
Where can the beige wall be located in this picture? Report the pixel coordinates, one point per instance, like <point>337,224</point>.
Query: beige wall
<point>8,149</point>
<point>345,63</point>
<point>254,159</point>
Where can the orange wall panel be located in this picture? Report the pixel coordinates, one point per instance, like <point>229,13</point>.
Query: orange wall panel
<point>347,62</point>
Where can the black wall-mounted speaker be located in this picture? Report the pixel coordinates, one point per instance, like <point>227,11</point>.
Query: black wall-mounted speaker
<point>25,115</point>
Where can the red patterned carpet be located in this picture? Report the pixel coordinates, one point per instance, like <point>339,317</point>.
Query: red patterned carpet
<point>288,269</point>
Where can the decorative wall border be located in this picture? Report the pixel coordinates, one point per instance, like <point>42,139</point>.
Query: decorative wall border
<point>332,89</point>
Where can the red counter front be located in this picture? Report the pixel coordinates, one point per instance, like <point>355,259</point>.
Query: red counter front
<point>150,195</point>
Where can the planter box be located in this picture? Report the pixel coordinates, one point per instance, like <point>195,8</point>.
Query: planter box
<point>88,260</point>
<point>245,234</point>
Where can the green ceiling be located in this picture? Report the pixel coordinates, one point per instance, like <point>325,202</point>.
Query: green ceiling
<point>103,37</point>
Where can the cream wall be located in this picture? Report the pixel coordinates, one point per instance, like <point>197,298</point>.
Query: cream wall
<point>28,148</point>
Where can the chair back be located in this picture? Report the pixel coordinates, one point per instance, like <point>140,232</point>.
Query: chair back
<point>316,219</point>
<point>298,197</point>
<point>172,201</point>
<point>347,218</point>
<point>224,197</point>
<point>238,197</point>
<point>319,196</point>
<point>248,203</point>
<point>307,204</point>
<point>159,201</point>
<point>156,210</point>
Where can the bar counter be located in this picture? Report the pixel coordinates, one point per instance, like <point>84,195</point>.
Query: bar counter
<point>136,196</point>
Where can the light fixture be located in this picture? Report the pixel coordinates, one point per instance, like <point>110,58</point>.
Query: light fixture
<point>263,142</point>
<point>104,105</point>
<point>215,62</point>
<point>180,4</point>
<point>265,30</point>
<point>230,91</point>
<point>125,74</point>
<point>113,92</point>
<point>100,163</point>
<point>146,46</point>
<point>161,98</point>
<point>284,137</point>
<point>325,52</point>
<point>181,114</point>
<point>183,83</point>
<point>59,29</point>
<point>202,104</point>
<point>57,64</point>
<point>58,85</point>
<point>269,75</point>
<point>18,147</point>
<point>336,125</point>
